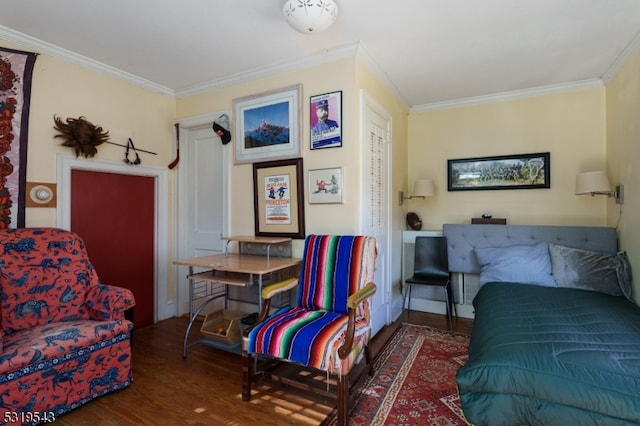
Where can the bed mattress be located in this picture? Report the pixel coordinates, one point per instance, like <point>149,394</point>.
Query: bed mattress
<point>551,356</point>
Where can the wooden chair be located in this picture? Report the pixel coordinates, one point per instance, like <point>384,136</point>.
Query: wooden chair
<point>329,327</point>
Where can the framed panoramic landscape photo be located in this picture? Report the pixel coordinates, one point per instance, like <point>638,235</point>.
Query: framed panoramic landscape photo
<point>523,171</point>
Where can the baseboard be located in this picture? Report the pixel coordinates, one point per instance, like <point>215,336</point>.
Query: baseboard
<point>439,307</point>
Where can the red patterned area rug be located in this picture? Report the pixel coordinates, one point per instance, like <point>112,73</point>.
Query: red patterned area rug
<point>414,381</point>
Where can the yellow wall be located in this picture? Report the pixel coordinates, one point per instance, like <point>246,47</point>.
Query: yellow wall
<point>123,109</point>
<point>352,77</point>
<point>571,126</point>
<point>329,77</point>
<point>583,130</point>
<point>126,111</point>
<point>623,158</point>
<point>314,81</point>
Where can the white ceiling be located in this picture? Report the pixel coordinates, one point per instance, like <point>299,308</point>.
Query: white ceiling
<point>429,52</point>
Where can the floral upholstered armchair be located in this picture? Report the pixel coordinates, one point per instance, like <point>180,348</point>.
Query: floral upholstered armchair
<point>64,339</point>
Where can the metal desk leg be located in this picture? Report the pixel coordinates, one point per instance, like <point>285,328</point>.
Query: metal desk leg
<point>259,292</point>
<point>191,315</point>
<point>194,314</point>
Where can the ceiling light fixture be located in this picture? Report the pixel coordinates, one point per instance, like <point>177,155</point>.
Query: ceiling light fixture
<point>310,16</point>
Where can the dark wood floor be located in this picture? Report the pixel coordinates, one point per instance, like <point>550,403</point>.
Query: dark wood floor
<point>205,387</point>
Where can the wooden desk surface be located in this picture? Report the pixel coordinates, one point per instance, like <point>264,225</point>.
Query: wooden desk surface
<point>246,263</point>
<point>260,240</point>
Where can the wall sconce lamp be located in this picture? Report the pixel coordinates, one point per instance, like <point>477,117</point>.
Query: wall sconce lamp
<point>598,183</point>
<point>422,188</point>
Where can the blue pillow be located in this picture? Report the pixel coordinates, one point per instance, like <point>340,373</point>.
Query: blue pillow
<point>516,264</point>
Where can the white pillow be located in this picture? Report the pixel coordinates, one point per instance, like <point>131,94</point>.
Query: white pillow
<point>516,264</point>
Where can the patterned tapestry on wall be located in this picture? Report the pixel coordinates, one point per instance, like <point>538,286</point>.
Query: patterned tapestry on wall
<point>16,68</point>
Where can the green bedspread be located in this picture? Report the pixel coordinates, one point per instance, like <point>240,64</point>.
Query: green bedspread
<point>551,356</point>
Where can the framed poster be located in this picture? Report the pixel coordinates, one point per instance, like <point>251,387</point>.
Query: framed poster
<point>279,199</point>
<point>326,120</point>
<point>325,186</point>
<point>268,126</point>
<point>523,171</point>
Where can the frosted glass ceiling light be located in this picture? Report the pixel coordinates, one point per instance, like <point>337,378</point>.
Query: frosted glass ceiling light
<point>310,16</point>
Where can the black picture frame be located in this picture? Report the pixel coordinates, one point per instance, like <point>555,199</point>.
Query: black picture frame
<point>326,134</point>
<point>278,197</point>
<point>521,171</point>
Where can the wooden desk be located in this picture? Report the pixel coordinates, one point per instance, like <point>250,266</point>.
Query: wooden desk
<point>230,269</point>
<point>243,263</point>
<point>248,240</point>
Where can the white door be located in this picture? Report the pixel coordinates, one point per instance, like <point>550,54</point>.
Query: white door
<point>202,197</point>
<point>375,201</point>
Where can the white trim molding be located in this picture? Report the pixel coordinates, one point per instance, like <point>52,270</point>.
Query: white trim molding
<point>66,55</point>
<point>507,96</point>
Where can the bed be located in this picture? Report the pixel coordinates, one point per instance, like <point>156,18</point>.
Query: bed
<point>548,352</point>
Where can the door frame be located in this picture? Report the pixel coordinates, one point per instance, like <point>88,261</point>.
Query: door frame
<point>181,188</point>
<point>163,305</point>
<point>367,102</point>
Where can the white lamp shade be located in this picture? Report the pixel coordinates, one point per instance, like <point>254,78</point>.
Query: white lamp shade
<point>310,16</point>
<point>423,188</point>
<point>590,182</point>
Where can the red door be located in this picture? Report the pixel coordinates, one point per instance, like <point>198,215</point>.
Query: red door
<point>114,215</point>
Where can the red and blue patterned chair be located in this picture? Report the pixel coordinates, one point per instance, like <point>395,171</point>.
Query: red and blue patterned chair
<point>329,327</point>
<point>64,339</point>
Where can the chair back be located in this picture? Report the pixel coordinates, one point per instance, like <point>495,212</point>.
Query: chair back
<point>333,268</point>
<point>431,259</point>
<point>45,274</point>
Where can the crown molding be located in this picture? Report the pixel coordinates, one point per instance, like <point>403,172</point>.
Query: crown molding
<point>622,59</point>
<point>363,55</point>
<point>317,58</point>
<point>351,49</point>
<point>507,96</point>
<point>40,46</point>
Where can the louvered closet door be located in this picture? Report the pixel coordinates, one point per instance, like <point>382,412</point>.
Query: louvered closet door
<point>375,202</point>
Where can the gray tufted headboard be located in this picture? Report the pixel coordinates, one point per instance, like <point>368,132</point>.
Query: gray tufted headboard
<point>462,239</point>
